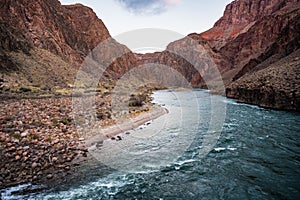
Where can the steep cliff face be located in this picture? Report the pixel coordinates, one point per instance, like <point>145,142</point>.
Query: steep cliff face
<point>66,34</point>
<point>274,34</point>
<point>283,39</point>
<point>252,36</point>
<point>246,31</point>
<point>239,16</point>
<point>67,31</point>
<point>11,40</point>
<point>184,69</point>
<point>276,86</point>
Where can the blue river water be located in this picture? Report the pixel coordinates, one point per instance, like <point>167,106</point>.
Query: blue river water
<point>199,150</point>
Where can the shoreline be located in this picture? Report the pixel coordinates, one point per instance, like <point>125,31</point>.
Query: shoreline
<point>50,152</point>
<point>126,125</point>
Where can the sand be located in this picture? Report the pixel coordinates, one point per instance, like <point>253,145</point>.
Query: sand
<point>125,125</point>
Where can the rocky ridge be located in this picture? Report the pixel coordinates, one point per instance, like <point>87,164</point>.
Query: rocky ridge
<point>276,86</point>
<point>251,36</point>
<point>238,17</point>
<point>65,34</point>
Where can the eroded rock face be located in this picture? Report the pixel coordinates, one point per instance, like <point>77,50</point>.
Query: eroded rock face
<point>239,16</point>
<point>69,32</point>
<point>251,36</point>
<point>276,86</point>
<point>247,30</point>
<point>11,40</point>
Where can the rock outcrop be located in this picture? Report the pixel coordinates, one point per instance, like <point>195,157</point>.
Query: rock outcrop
<point>62,34</point>
<point>276,86</point>
<point>239,16</point>
<point>70,32</point>
<point>250,37</point>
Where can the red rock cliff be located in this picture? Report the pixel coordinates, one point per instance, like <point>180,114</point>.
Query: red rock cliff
<point>251,36</point>
<point>239,16</point>
<point>69,32</point>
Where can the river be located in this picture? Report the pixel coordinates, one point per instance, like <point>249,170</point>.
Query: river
<point>181,155</point>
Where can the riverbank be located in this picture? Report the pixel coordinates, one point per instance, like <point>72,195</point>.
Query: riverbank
<point>276,87</point>
<point>39,142</point>
<point>126,125</point>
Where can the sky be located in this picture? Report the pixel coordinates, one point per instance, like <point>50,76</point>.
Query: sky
<point>180,16</point>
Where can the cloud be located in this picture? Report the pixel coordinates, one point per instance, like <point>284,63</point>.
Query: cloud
<point>172,2</point>
<point>148,7</point>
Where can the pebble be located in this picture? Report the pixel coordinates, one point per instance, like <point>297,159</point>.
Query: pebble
<point>34,165</point>
<point>12,149</point>
<point>49,176</point>
<point>24,134</point>
<point>16,141</point>
<point>54,159</point>
<point>119,137</point>
<point>56,141</point>
<point>2,139</point>
<point>9,144</point>
<point>26,147</point>
<point>84,154</point>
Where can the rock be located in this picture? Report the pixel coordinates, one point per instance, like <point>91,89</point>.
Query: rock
<point>17,157</point>
<point>81,139</point>
<point>54,159</point>
<point>46,165</point>
<point>49,176</point>
<point>34,141</point>
<point>119,137</point>
<point>26,147</point>
<point>55,141</point>
<point>16,141</point>
<point>7,140</point>
<point>24,134</point>
<point>11,149</point>
<point>2,139</point>
<point>26,25</point>
<point>84,154</point>
<point>34,165</point>
<point>8,130</point>
<point>231,24</point>
<point>9,144</point>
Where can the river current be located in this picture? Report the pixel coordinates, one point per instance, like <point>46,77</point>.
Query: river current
<point>182,155</point>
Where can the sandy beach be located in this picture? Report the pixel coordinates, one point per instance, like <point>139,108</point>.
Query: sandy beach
<point>126,125</point>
